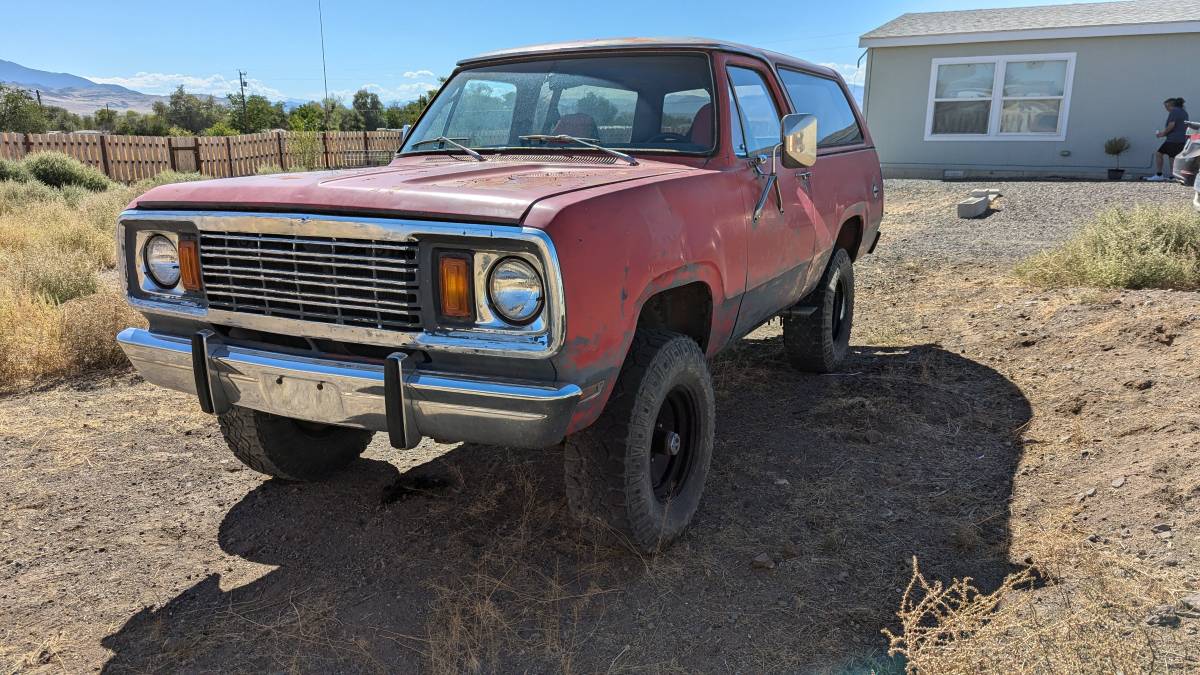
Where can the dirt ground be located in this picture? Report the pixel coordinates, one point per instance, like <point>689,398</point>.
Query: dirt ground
<point>975,416</point>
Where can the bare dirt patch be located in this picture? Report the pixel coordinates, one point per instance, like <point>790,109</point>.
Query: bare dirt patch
<point>977,420</point>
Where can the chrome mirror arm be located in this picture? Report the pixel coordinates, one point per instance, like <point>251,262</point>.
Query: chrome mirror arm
<point>772,182</point>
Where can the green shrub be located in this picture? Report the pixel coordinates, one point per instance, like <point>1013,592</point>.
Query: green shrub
<point>14,171</point>
<point>268,169</point>
<point>221,128</point>
<point>1146,247</point>
<point>56,170</point>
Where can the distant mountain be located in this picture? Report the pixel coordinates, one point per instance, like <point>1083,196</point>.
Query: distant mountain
<point>76,94</point>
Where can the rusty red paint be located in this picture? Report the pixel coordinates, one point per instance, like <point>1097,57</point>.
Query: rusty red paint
<point>622,233</point>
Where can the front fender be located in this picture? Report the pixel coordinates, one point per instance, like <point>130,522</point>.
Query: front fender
<point>620,248</point>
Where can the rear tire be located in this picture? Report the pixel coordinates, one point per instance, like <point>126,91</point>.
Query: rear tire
<point>621,471</point>
<point>288,448</point>
<point>819,342</point>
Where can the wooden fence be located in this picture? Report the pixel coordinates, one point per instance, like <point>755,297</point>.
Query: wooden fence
<point>132,158</point>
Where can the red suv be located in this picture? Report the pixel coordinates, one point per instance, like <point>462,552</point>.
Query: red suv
<point>566,236</point>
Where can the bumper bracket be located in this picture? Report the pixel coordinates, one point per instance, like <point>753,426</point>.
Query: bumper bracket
<point>401,423</point>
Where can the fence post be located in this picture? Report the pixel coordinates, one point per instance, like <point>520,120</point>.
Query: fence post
<point>104,155</point>
<point>171,152</point>
<point>196,152</point>
<point>229,154</point>
<point>279,143</point>
<point>366,150</point>
<point>325,147</point>
<point>28,143</point>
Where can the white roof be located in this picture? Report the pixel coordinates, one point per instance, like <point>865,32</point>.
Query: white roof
<point>1092,19</point>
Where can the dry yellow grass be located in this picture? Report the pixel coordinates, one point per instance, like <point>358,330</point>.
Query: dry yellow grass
<point>58,315</point>
<point>1143,247</point>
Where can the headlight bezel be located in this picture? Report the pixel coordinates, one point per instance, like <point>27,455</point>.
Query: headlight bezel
<point>149,265</point>
<point>534,274</point>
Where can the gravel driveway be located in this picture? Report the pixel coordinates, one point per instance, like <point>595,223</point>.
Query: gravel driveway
<point>1030,216</point>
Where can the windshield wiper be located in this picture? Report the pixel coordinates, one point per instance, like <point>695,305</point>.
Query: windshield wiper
<point>443,140</point>
<point>564,138</point>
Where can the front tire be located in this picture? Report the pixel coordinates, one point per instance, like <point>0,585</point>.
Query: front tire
<point>819,342</point>
<point>639,471</point>
<point>290,449</point>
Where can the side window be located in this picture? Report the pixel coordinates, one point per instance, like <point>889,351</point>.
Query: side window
<point>759,116</point>
<point>820,96</point>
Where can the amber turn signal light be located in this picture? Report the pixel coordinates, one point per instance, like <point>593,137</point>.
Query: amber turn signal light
<point>454,275</point>
<point>189,264</point>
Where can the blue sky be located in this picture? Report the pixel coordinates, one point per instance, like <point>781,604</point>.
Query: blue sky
<point>397,48</point>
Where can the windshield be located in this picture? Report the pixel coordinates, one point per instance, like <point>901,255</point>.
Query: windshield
<point>650,102</point>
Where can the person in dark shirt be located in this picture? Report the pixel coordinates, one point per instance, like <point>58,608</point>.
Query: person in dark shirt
<point>1174,134</point>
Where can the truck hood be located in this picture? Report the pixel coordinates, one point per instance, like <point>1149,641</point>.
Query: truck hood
<point>443,187</point>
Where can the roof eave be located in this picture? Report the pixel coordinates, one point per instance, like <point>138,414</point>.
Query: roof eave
<point>1163,28</point>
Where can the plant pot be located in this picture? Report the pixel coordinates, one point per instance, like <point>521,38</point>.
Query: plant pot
<point>1116,174</point>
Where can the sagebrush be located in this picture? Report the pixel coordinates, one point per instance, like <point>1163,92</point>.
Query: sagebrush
<point>59,170</point>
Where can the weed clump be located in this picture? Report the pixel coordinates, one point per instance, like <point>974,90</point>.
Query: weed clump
<point>1144,247</point>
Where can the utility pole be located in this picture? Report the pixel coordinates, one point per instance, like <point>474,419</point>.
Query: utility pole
<point>242,84</point>
<point>38,93</point>
<point>324,73</point>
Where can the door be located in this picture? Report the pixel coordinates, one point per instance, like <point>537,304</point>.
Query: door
<point>780,245</point>
<point>838,183</point>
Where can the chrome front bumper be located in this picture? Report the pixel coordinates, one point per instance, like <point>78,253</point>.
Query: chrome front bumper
<point>442,406</point>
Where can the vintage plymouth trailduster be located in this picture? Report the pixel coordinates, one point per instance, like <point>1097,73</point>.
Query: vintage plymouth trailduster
<point>566,235</point>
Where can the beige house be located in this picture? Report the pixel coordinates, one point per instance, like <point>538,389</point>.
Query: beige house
<point>1028,91</point>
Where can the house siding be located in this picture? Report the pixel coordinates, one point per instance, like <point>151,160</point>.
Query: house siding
<point>1119,86</point>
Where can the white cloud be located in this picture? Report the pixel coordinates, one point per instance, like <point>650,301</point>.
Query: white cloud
<point>165,83</point>
<point>416,74</point>
<point>402,92</point>
<point>852,73</point>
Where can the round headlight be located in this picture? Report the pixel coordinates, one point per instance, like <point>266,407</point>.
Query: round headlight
<point>162,261</point>
<point>515,290</point>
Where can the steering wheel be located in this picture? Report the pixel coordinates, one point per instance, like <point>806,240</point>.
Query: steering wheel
<point>668,137</point>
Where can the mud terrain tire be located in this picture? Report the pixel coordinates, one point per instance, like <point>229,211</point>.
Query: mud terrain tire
<point>819,342</point>
<point>290,449</point>
<point>620,473</point>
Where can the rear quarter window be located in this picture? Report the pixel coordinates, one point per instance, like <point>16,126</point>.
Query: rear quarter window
<point>823,97</point>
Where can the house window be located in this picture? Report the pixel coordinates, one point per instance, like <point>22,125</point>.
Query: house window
<point>1021,97</point>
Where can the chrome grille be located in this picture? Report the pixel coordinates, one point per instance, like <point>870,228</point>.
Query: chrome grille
<point>350,282</point>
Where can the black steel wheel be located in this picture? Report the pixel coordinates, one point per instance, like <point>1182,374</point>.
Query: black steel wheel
<point>639,471</point>
<point>818,341</point>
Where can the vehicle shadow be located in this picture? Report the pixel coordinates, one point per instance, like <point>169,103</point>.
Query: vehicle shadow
<point>471,563</point>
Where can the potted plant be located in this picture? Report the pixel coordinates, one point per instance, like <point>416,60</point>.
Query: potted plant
<point>1116,147</point>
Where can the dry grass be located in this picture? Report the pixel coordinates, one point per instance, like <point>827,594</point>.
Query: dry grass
<point>59,312</point>
<point>1145,247</point>
<point>507,603</point>
<point>1077,608</point>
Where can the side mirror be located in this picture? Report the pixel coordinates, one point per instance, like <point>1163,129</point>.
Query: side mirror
<point>798,135</point>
